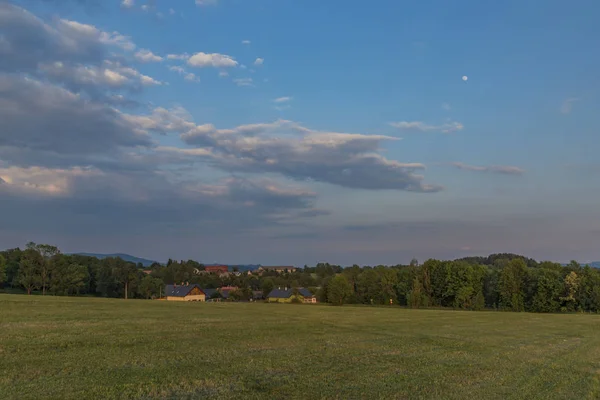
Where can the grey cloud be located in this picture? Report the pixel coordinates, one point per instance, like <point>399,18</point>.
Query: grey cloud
<point>39,116</point>
<point>296,236</point>
<point>80,56</point>
<point>498,169</point>
<point>148,201</point>
<point>70,161</point>
<point>284,147</point>
<point>29,41</point>
<point>314,213</point>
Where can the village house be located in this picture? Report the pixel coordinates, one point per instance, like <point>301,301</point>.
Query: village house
<point>287,295</point>
<point>217,269</point>
<point>278,269</point>
<point>185,292</point>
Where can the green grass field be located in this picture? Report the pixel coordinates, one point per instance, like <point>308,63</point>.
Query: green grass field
<point>75,348</point>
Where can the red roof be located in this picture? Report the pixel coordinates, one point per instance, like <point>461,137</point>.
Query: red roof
<point>216,268</point>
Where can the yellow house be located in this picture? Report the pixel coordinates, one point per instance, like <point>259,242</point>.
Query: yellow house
<point>184,293</point>
<point>288,295</point>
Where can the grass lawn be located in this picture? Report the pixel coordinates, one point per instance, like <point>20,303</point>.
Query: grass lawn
<point>76,348</point>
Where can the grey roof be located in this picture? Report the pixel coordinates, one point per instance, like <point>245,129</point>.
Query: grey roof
<point>209,292</point>
<point>287,293</point>
<point>179,290</point>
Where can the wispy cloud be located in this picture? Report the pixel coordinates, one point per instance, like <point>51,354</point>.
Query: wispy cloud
<point>206,2</point>
<point>423,127</point>
<point>127,3</point>
<point>246,42</point>
<point>498,169</point>
<point>446,106</point>
<point>147,56</point>
<point>188,76</point>
<point>284,99</point>
<point>567,105</point>
<point>243,81</point>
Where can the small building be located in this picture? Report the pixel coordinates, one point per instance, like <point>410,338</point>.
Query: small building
<point>184,293</point>
<point>257,295</point>
<point>287,295</point>
<point>226,290</point>
<point>217,269</point>
<point>278,269</point>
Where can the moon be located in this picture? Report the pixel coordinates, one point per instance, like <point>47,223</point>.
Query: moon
<point>465,78</point>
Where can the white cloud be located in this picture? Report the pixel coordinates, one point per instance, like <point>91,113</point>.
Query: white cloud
<point>567,105</point>
<point>191,77</point>
<point>243,81</point>
<point>246,42</point>
<point>145,7</point>
<point>223,74</point>
<point>171,11</point>
<point>128,3</point>
<point>110,74</point>
<point>211,60</point>
<point>146,56</point>
<point>91,32</point>
<point>183,56</point>
<point>423,127</point>
<point>499,169</point>
<point>284,99</point>
<point>176,68</point>
<point>259,61</point>
<point>206,2</point>
<point>115,38</point>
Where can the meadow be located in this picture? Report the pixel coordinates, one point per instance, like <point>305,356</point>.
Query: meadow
<point>73,348</point>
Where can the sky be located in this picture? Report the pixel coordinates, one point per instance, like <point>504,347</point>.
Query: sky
<point>287,132</point>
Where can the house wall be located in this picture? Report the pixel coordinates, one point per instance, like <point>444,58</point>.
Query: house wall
<point>198,297</point>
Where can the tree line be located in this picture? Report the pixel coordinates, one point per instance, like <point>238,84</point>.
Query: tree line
<point>500,281</point>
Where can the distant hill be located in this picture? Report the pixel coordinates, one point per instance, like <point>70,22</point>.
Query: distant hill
<point>593,264</point>
<point>126,257</point>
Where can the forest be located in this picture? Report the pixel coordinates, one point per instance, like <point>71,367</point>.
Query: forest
<point>505,282</point>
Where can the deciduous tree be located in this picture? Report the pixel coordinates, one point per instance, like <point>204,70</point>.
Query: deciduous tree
<point>30,269</point>
<point>2,269</point>
<point>339,290</point>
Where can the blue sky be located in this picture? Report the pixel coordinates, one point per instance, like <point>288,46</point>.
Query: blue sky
<point>111,145</point>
